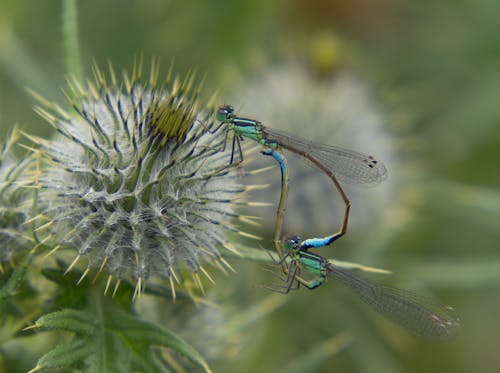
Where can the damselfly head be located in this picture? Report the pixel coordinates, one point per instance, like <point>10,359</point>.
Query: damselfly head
<point>292,242</point>
<point>225,113</point>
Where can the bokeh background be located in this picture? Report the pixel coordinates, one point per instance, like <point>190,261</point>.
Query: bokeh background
<point>415,83</point>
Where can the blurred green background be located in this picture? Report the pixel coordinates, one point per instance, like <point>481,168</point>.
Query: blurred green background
<point>431,70</point>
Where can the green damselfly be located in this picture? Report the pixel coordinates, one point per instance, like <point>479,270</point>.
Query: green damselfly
<point>419,315</point>
<point>348,165</point>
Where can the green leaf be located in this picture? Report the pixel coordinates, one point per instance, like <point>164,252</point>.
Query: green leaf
<point>68,320</point>
<point>73,290</point>
<point>66,354</point>
<point>109,338</point>
<point>12,285</point>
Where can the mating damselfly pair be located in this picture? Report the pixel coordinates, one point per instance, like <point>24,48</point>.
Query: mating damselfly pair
<point>418,314</point>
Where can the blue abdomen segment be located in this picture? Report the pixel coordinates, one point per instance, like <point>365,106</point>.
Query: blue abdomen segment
<point>314,243</point>
<point>279,157</point>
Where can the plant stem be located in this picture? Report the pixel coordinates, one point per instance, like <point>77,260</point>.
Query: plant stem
<point>71,49</point>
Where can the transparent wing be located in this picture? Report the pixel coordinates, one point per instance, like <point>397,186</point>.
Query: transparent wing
<point>348,165</point>
<point>420,315</point>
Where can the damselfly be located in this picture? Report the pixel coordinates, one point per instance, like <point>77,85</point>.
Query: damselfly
<point>419,315</point>
<point>337,163</point>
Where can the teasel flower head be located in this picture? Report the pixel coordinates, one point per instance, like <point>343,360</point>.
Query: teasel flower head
<point>15,201</point>
<point>135,183</point>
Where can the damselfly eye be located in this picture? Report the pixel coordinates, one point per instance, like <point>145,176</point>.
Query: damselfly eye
<point>228,108</point>
<point>224,113</point>
<point>221,115</point>
<point>293,241</point>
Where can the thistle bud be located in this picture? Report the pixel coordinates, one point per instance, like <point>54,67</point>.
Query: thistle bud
<point>135,183</point>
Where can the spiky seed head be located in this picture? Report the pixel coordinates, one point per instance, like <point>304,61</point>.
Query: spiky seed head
<point>15,197</point>
<point>134,182</point>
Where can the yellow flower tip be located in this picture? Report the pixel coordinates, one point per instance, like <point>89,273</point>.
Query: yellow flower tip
<point>172,288</point>
<point>100,270</point>
<point>82,277</point>
<point>175,114</point>
<point>198,282</point>
<point>172,122</point>
<point>139,288</point>
<point>72,264</point>
<point>203,270</point>
<point>108,282</point>
<point>36,369</point>
<point>117,285</point>
<point>249,235</point>
<point>33,326</point>
<point>224,261</point>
